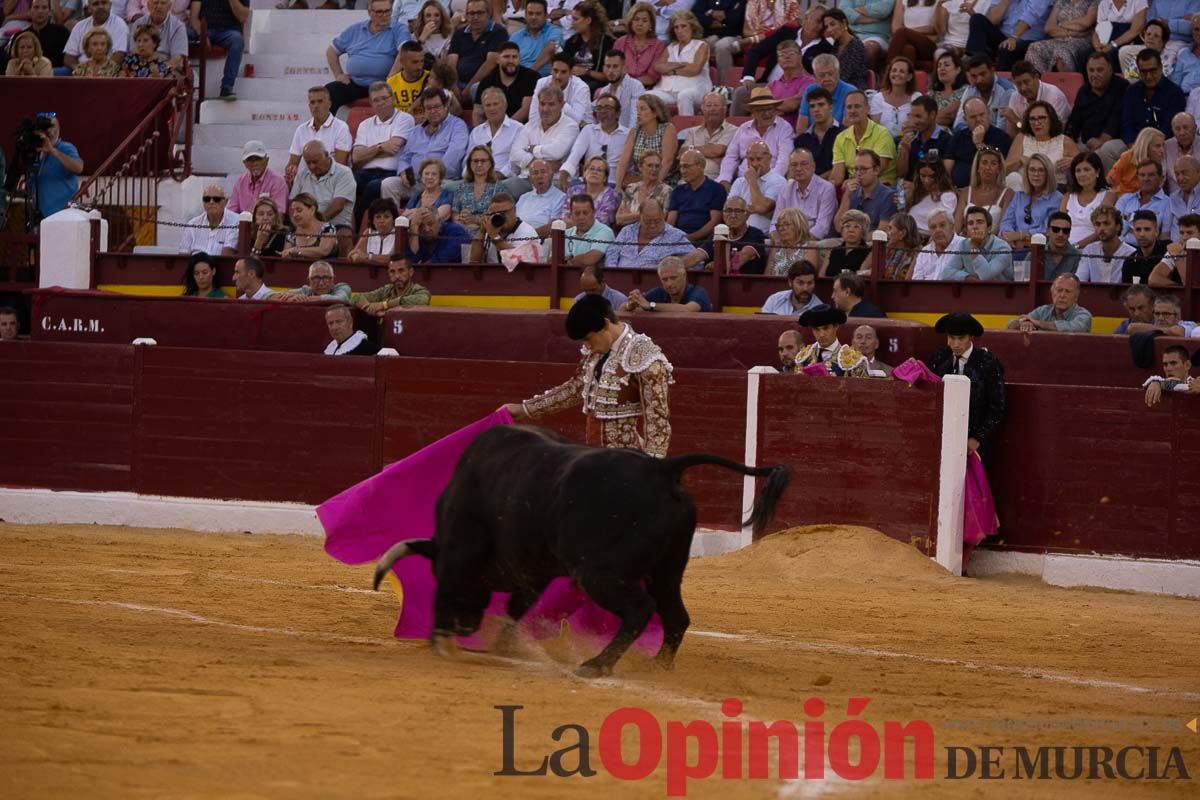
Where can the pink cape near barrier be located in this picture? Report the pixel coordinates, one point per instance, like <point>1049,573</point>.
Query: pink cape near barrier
<point>818,369</point>
<point>979,509</point>
<point>362,522</point>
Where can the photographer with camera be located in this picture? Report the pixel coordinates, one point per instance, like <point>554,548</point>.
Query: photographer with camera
<point>51,164</point>
<point>503,238</point>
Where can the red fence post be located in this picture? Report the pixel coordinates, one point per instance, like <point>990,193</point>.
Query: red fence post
<point>400,239</point>
<point>558,253</point>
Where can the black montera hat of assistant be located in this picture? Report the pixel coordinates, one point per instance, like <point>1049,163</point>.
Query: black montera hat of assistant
<point>959,324</point>
<point>588,316</point>
<point>822,314</point>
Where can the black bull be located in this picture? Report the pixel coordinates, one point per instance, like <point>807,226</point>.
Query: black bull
<point>526,506</point>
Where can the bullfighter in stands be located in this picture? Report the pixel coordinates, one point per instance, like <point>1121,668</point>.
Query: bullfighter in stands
<point>842,360</point>
<point>623,376</point>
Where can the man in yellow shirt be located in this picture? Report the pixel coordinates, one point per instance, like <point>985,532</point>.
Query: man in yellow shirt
<point>862,133</point>
<point>409,81</point>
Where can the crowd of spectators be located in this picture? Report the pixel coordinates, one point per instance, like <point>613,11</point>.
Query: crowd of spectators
<point>584,112</point>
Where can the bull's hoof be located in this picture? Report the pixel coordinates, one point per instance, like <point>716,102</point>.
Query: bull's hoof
<point>590,670</point>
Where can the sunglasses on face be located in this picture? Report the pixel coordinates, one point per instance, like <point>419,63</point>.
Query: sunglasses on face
<point>213,198</point>
<point>1059,229</point>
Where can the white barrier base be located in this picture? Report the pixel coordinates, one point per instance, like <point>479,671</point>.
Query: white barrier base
<point>1152,575</point>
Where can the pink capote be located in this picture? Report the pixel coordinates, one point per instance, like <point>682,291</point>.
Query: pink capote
<point>979,509</point>
<point>365,520</point>
<point>818,369</point>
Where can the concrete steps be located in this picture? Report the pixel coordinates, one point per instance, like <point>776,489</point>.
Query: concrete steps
<point>303,22</point>
<point>285,65</point>
<point>292,90</point>
<point>276,136</point>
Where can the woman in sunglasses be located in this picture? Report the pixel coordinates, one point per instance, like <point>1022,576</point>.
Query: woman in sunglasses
<point>1030,207</point>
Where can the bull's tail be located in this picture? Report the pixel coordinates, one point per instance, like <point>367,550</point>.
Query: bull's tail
<point>778,477</point>
<point>409,547</point>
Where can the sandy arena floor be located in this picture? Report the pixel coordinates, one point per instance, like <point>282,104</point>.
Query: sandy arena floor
<point>161,663</point>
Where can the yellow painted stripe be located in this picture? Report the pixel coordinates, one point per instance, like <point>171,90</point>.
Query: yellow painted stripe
<point>527,302</point>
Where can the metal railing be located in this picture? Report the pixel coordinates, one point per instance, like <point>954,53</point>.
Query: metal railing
<point>125,187</point>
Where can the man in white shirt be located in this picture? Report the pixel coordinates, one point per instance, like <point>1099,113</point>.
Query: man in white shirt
<point>1181,145</point>
<point>323,127</point>
<point>759,186</point>
<point>378,143</point>
<point>248,279</point>
<point>713,135</point>
<point>1030,89</point>
<point>101,17</point>
<point>626,89</point>
<point>510,242</point>
<point>216,230</point>
<point>942,243</point>
<point>605,137</point>
<point>498,131</point>
<point>1104,259</point>
<point>576,95</point>
<point>550,138</point>
<point>801,294</point>
<point>543,203</point>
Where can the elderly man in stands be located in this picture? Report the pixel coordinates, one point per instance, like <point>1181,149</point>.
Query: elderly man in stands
<point>604,137</point>
<point>829,77</point>
<point>1104,259</point>
<point>760,186</point>
<point>591,281</point>
<point>943,242</point>
<point>515,81</point>
<point>346,340</point>
<point>696,202</point>
<point>848,290</point>
<point>248,275</point>
<point>747,243</point>
<point>1172,270</point>
<point>473,47</point>
<point>648,241</point>
<point>543,203</point>
<point>800,295</point>
<point>52,35</point>
<point>987,256</point>
<point>1166,319</point>
<point>332,185</point>
<point>586,240</point>
<point>1063,313</point>
<point>378,143</point>
<point>400,290</point>
<point>216,230</point>
<point>577,98</point>
<point>537,40</point>
<point>1149,197</point>
<point>100,16</point>
<point>321,287</point>
<point>10,325</point>
<point>712,136</point>
<point>1176,377</point>
<point>323,127</point>
<point>441,136</point>
<point>371,47</point>
<point>1095,120</point>
<point>1181,144</point>
<point>1185,199</point>
<point>789,345</point>
<point>977,134</point>
<point>765,126</point>
<point>1139,306</point>
<point>258,180</point>
<point>433,241</point>
<point>865,192</point>
<point>1152,101</point>
<point>862,134</point>
<point>806,190</point>
<point>866,341</point>
<point>225,20</point>
<point>498,130</point>
<point>1061,256</point>
<point>172,32</point>
<point>675,295</point>
<point>627,90</point>
<point>550,138</point>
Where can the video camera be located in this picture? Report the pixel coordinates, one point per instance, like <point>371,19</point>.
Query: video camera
<point>30,135</point>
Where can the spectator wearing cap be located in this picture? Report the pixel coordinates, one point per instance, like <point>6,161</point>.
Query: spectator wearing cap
<point>215,231</point>
<point>224,20</point>
<point>371,48</point>
<point>862,134</point>
<point>378,143</point>
<point>840,359</point>
<point>765,126</point>
<point>1063,313</point>
<point>848,291</point>
<point>258,180</point>
<point>799,297</point>
<point>322,127</point>
<point>960,356</point>
<point>987,257</point>
<point>675,295</point>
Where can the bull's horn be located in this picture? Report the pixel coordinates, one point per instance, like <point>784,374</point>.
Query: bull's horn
<point>394,554</point>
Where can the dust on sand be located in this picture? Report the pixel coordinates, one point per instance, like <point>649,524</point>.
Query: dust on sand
<point>162,663</point>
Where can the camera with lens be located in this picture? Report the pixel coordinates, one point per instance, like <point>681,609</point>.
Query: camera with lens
<point>30,135</point>
<point>498,219</point>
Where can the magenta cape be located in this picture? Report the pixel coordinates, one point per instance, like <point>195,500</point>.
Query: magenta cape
<point>365,520</point>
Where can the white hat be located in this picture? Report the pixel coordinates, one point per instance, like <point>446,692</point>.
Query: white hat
<point>254,149</point>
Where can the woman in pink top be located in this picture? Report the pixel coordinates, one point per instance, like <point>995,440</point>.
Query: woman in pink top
<point>641,47</point>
